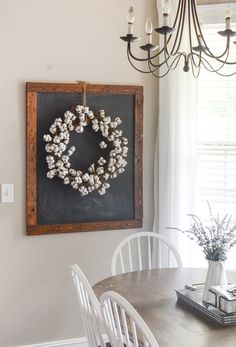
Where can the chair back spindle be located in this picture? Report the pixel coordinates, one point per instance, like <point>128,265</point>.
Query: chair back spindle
<point>135,252</point>
<point>89,307</point>
<point>124,325</point>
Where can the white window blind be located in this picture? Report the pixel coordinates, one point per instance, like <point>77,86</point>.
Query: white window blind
<point>216,139</point>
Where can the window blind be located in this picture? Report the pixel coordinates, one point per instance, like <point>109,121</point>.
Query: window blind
<point>216,140</point>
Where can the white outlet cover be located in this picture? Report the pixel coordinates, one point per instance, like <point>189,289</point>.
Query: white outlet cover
<point>7,192</point>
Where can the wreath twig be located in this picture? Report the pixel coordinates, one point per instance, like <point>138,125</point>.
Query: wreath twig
<point>99,173</point>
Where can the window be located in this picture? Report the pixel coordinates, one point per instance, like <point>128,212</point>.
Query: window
<point>216,139</point>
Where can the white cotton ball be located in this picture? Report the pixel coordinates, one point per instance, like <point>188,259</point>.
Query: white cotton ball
<point>51,166</point>
<point>102,113</point>
<point>47,138</point>
<point>111,138</point>
<point>95,127</point>
<point>103,144</point>
<point>79,108</point>
<point>100,170</point>
<point>118,120</point>
<point>74,185</point>
<point>106,176</point>
<point>79,129</point>
<point>72,172</point>
<point>51,173</point>
<point>91,168</point>
<point>102,191</point>
<point>90,115</point>
<point>85,177</point>
<point>107,120</point>
<point>101,161</point>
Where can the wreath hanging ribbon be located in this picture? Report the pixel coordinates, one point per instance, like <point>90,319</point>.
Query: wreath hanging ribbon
<point>98,174</point>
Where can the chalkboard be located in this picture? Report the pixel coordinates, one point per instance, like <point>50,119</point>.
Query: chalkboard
<point>53,207</point>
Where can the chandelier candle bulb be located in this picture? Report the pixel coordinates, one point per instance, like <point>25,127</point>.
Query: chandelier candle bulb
<point>166,12</point>
<point>130,18</point>
<point>148,28</point>
<point>166,19</point>
<point>228,14</point>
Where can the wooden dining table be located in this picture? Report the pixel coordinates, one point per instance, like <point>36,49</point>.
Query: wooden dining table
<point>152,293</point>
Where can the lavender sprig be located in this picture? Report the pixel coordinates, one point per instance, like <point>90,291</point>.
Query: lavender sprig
<point>215,239</point>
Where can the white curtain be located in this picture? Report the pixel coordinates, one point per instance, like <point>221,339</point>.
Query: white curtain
<point>174,156</point>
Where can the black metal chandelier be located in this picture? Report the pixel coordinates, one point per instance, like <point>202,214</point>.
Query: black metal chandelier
<point>170,54</point>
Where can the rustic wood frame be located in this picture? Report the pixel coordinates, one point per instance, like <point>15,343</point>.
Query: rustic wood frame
<point>32,88</point>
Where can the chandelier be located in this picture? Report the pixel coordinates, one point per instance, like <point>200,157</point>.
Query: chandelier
<point>186,28</point>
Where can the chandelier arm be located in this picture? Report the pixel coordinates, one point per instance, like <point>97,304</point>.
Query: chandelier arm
<point>193,54</point>
<point>216,71</point>
<point>224,62</point>
<point>131,54</point>
<point>180,16</point>
<point>199,56</point>
<point>157,66</point>
<point>143,59</point>
<point>204,62</point>
<point>136,68</point>
<point>177,58</point>
<point>218,58</point>
<point>156,69</point>
<point>194,67</point>
<point>174,62</point>
<point>199,30</point>
<point>166,59</point>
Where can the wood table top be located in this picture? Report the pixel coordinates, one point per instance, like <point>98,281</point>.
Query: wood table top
<point>152,293</point>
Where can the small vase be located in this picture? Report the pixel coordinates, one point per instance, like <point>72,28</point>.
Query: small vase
<point>216,276</point>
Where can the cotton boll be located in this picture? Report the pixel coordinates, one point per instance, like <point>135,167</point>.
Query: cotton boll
<point>102,113</point>
<point>102,191</point>
<point>72,172</point>
<point>103,144</point>
<point>91,168</point>
<point>95,127</point>
<point>90,115</point>
<point>85,177</point>
<point>79,129</point>
<point>66,180</point>
<point>118,120</point>
<point>47,138</point>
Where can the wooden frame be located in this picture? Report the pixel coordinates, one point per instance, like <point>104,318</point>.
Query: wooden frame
<point>32,91</point>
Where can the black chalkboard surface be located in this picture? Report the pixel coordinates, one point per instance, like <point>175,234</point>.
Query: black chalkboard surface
<point>54,207</point>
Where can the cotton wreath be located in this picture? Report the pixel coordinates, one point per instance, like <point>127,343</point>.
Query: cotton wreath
<point>98,174</point>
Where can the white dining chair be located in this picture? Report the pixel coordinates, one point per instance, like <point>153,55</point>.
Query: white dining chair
<point>135,252</point>
<point>89,307</point>
<point>124,325</point>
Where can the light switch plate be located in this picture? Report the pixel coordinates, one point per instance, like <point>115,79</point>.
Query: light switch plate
<point>7,192</point>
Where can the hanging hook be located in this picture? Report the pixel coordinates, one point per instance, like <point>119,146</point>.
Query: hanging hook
<point>84,94</point>
<point>84,91</point>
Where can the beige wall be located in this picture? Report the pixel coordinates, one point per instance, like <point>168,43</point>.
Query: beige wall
<point>201,2</point>
<point>62,41</point>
